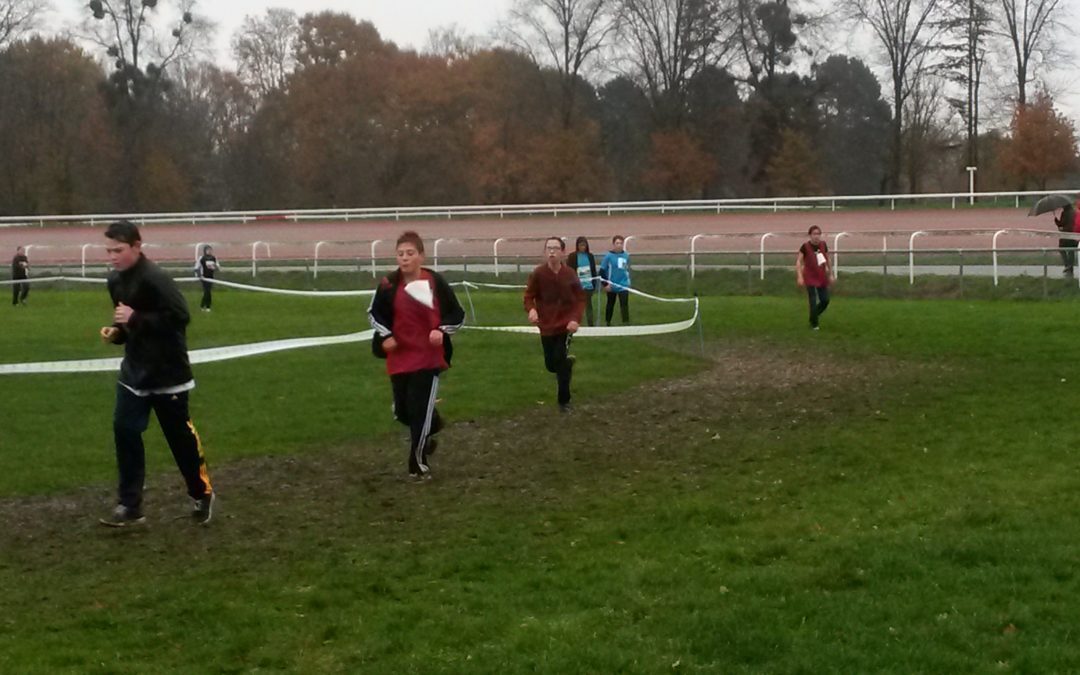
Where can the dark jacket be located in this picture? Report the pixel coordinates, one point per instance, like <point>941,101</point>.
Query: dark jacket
<point>571,261</point>
<point>155,339</point>
<point>1067,220</point>
<point>18,271</point>
<point>381,312</point>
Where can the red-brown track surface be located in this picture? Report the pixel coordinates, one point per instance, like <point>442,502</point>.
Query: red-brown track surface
<point>869,230</point>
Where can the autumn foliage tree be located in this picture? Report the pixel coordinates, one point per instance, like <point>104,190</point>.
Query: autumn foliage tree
<point>678,168</point>
<point>793,171</point>
<point>1042,143</point>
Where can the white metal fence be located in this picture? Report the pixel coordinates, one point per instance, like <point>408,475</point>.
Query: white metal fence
<point>367,254</point>
<point>831,203</point>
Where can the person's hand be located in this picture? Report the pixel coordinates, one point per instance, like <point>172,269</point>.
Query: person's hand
<point>109,334</point>
<point>608,288</point>
<point>435,337</point>
<point>122,315</point>
<point>534,316</point>
<point>389,345</point>
<point>800,281</point>
<point>572,327</point>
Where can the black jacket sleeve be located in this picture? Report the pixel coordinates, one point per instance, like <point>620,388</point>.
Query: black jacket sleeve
<point>381,316</point>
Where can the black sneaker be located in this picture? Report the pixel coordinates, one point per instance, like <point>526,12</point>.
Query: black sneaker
<point>203,508</point>
<point>566,408</point>
<point>123,516</point>
<point>420,477</point>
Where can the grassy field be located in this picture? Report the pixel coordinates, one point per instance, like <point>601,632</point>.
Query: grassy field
<point>896,493</point>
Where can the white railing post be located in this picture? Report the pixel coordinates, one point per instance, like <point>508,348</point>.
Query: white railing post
<point>315,273</point>
<point>198,248</point>
<point>254,255</point>
<point>435,261</point>
<point>626,243</point>
<point>994,248</point>
<point>762,247</point>
<point>495,254</point>
<point>836,253</point>
<point>374,273</point>
<point>911,256</point>
<point>84,247</point>
<point>693,254</point>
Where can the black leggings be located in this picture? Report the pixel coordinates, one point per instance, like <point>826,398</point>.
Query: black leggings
<point>414,406</point>
<point>819,302</point>
<point>556,348</point>
<point>624,306</point>
<point>130,419</point>
<point>19,292</point>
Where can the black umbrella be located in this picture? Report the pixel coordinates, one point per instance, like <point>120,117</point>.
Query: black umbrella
<point>1048,204</point>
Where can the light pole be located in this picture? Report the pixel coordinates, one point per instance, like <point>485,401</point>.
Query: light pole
<point>971,184</point>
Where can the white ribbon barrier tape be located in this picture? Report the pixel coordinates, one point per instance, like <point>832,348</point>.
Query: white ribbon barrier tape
<point>38,280</point>
<point>632,291</point>
<point>607,331</point>
<point>282,291</point>
<point>210,355</point>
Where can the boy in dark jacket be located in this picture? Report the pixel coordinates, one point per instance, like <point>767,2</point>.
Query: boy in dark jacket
<point>20,271</point>
<point>150,319</point>
<point>555,301</point>
<point>414,312</point>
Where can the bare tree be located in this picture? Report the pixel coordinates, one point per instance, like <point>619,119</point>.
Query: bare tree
<point>451,43</point>
<point>969,23</point>
<point>905,30</point>
<point>766,34</point>
<point>670,41</point>
<point>1029,26</point>
<point>265,49</point>
<point>18,17</point>
<point>564,33</point>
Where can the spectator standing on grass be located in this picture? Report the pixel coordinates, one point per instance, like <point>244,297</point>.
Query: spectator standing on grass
<point>812,272</point>
<point>20,271</point>
<point>555,302</point>
<point>615,270</point>
<point>414,312</point>
<point>1065,221</point>
<point>150,319</point>
<point>584,263</point>
<point>205,269</point>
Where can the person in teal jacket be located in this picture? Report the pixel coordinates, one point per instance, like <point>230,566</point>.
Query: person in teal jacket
<point>615,271</point>
<point>584,263</point>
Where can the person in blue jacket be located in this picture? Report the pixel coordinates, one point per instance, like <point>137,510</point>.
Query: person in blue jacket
<point>584,263</point>
<point>615,270</point>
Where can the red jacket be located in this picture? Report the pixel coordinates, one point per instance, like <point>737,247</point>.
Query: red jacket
<point>556,296</point>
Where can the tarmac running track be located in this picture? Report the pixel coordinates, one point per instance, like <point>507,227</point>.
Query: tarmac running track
<point>474,237</point>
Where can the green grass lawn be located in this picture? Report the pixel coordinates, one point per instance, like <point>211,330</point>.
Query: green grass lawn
<point>895,493</point>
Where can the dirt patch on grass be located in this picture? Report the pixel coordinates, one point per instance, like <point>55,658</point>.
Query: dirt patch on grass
<point>536,455</point>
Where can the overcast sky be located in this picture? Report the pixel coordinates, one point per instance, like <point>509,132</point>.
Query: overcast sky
<point>407,22</point>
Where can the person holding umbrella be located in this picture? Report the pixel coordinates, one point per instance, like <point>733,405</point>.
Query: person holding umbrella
<point>1065,221</point>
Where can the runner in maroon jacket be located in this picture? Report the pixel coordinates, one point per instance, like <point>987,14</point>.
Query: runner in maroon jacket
<point>812,271</point>
<point>414,312</point>
<point>555,302</point>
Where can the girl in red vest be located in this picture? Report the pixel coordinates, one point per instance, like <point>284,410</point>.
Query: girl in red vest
<point>812,272</point>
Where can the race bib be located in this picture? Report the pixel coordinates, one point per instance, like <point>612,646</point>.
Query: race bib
<point>584,272</point>
<point>821,259</point>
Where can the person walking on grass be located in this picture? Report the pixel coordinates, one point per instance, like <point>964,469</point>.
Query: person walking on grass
<point>555,302</point>
<point>414,312</point>
<point>583,261</point>
<point>1065,221</point>
<point>205,269</point>
<point>20,271</point>
<point>812,272</point>
<point>615,269</point>
<point>150,319</point>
